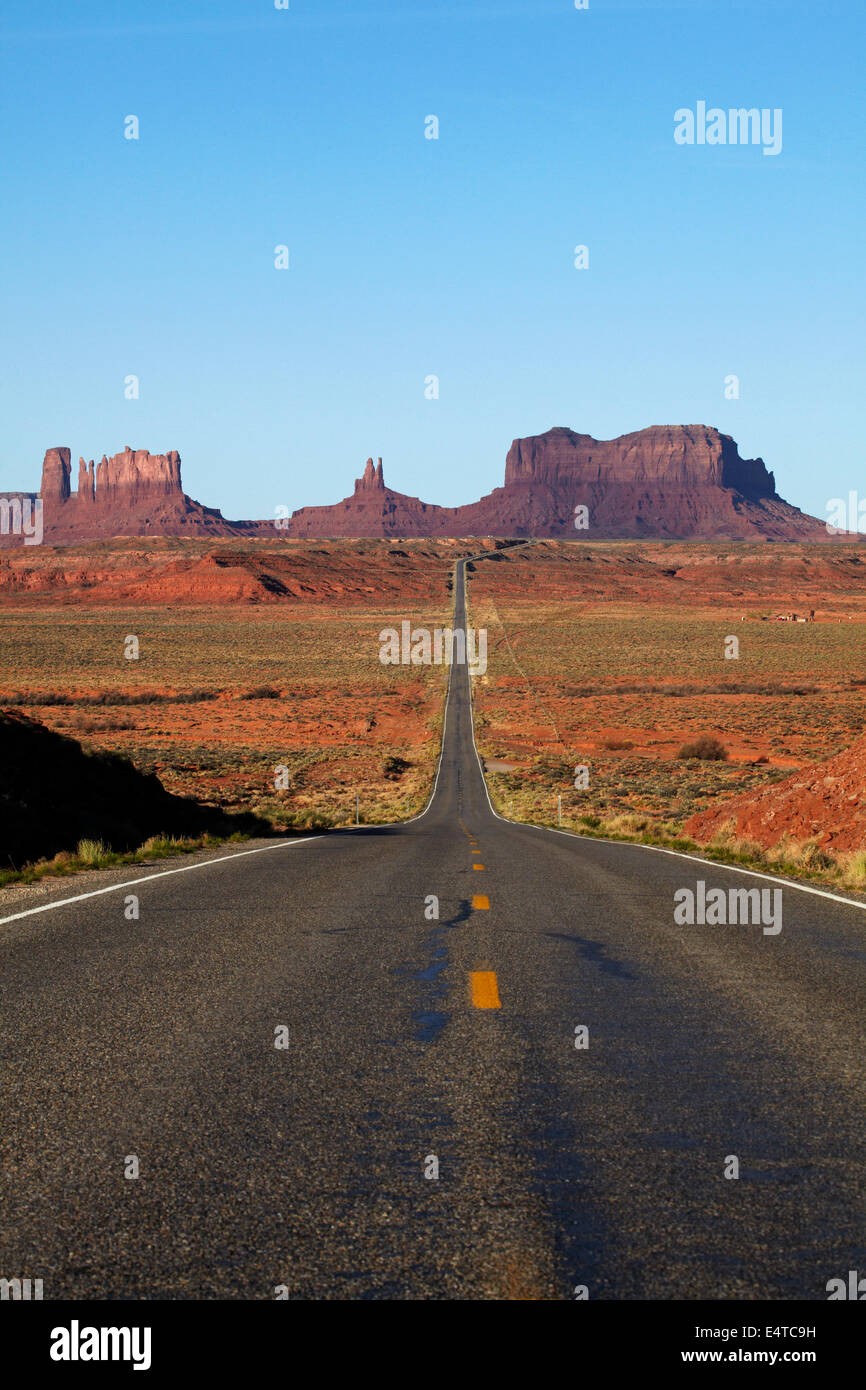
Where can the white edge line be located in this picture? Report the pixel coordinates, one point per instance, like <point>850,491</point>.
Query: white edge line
<point>163,873</point>
<point>239,854</point>
<point>633,844</point>
<point>388,824</point>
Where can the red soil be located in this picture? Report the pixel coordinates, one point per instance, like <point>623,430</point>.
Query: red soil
<point>203,572</point>
<point>824,803</point>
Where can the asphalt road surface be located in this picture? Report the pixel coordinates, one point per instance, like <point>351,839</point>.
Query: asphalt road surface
<point>418,1045</point>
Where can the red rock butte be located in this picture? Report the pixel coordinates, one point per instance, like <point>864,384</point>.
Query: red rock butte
<point>668,482</point>
<point>135,493</point>
<point>682,482</point>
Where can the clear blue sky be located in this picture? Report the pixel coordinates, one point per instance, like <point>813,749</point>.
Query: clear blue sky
<point>412,256</point>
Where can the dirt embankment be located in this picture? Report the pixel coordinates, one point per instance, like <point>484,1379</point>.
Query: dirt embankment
<point>179,571</point>
<point>824,803</point>
<point>55,793</point>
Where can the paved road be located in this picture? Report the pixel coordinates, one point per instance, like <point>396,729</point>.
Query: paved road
<point>557,1166</point>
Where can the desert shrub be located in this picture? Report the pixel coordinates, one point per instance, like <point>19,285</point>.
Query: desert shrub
<point>786,852</point>
<point>310,819</point>
<point>617,743</point>
<point>83,725</point>
<point>706,747</point>
<point>853,867</point>
<point>728,840</point>
<point>743,848</point>
<point>261,692</point>
<point>159,845</point>
<point>814,857</point>
<point>41,697</point>
<point>394,767</point>
<point>626,823</point>
<point>92,852</point>
<point>799,854</point>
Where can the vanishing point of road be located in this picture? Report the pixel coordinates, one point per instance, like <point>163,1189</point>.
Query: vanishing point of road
<point>418,1046</point>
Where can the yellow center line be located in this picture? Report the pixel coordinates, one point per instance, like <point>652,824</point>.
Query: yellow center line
<point>485,991</point>
<point>480,900</point>
<point>478,866</point>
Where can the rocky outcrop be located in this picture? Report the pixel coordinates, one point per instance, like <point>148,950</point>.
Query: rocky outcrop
<point>662,456</point>
<point>823,803</point>
<point>668,482</point>
<point>136,476</point>
<point>85,481</point>
<point>665,482</point>
<point>56,468</point>
<point>54,794</point>
<point>371,480</point>
<point>373,510</point>
<point>122,481</point>
<point>134,493</point>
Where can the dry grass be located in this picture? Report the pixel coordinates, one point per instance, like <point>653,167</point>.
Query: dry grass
<point>221,697</point>
<point>598,660</point>
<point>579,675</point>
<point>93,854</point>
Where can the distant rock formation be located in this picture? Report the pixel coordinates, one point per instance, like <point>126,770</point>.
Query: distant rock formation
<point>56,468</point>
<point>663,455</point>
<point>371,479</point>
<point>134,493</point>
<point>373,510</point>
<point>85,481</point>
<point>669,482</point>
<point>124,480</point>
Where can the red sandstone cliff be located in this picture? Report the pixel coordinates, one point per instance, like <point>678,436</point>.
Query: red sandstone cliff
<point>670,482</point>
<point>681,482</point>
<point>661,456</point>
<point>55,475</point>
<point>131,494</point>
<point>375,510</point>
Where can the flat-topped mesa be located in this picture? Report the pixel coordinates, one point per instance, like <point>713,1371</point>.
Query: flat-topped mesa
<point>684,455</point>
<point>371,480</point>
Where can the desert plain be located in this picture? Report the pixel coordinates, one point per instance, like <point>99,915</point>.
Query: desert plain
<point>258,685</point>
